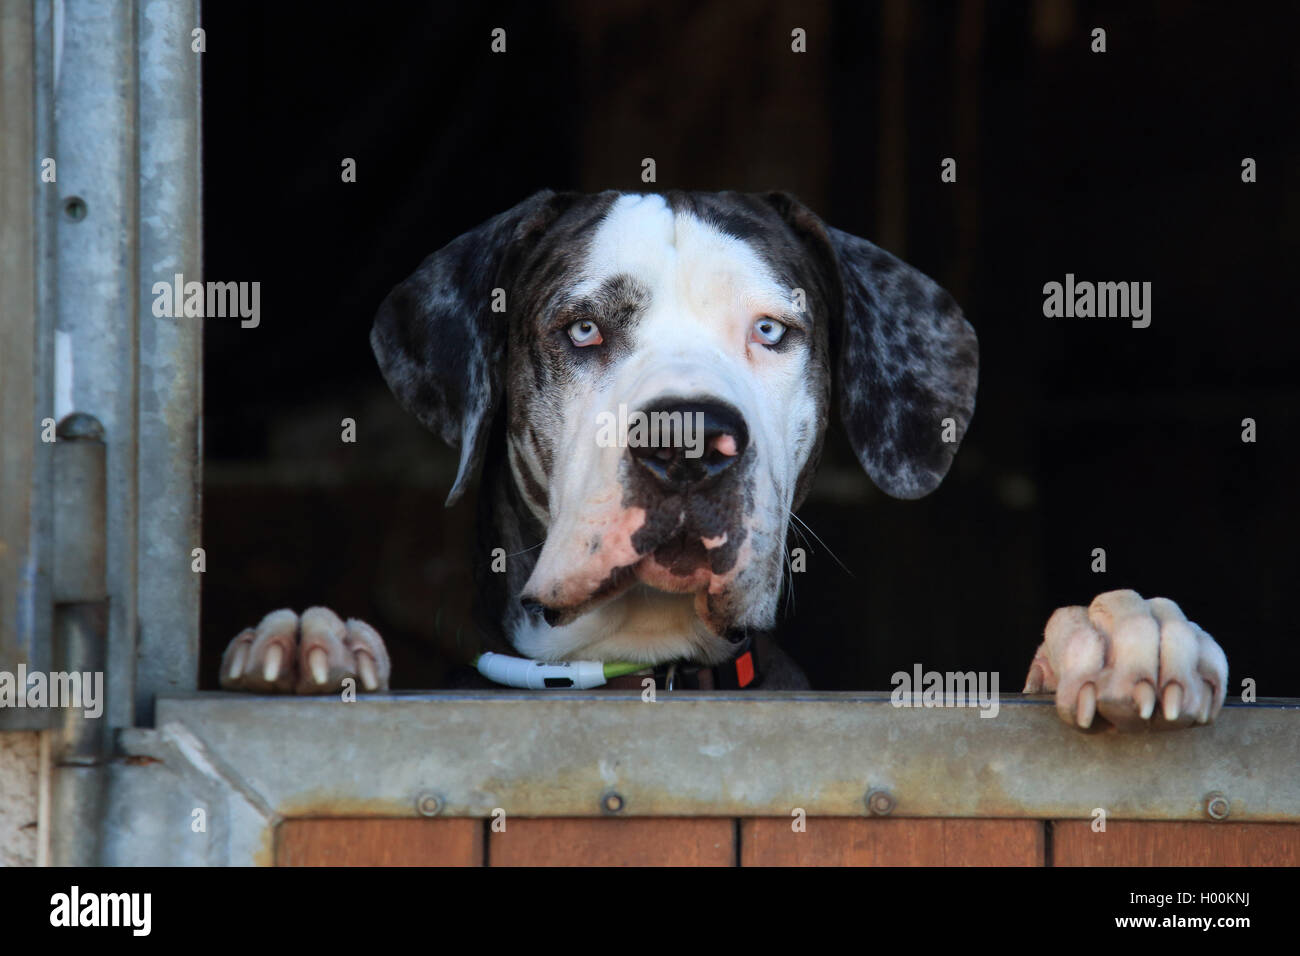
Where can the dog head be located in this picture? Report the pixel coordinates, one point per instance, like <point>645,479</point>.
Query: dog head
<point>665,366</point>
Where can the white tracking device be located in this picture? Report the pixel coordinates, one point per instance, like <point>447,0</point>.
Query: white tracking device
<point>540,675</point>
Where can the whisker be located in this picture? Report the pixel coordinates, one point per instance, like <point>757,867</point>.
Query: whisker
<point>526,550</point>
<point>820,541</point>
<point>789,579</point>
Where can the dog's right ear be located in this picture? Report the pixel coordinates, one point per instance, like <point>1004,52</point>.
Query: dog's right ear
<point>438,341</point>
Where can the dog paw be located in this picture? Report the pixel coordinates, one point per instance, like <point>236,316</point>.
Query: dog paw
<point>1133,662</point>
<point>313,654</point>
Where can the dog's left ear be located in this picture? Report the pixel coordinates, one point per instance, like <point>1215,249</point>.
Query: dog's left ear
<point>438,340</point>
<point>907,360</point>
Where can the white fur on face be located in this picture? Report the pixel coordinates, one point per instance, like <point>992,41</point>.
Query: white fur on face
<point>706,290</point>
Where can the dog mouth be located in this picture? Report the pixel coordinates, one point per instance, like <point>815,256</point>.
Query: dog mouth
<point>684,564</point>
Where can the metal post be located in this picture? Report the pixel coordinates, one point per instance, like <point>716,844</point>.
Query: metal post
<point>81,617</point>
<point>170,399</point>
<point>92,74</point>
<point>24,366</point>
<point>126,141</point>
<point>113,90</point>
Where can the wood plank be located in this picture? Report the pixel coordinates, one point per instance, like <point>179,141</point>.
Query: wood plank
<point>379,842</point>
<point>649,841</point>
<point>1161,843</point>
<point>850,841</point>
<point>828,841</point>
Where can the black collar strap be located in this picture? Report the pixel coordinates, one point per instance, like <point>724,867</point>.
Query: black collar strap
<point>736,674</point>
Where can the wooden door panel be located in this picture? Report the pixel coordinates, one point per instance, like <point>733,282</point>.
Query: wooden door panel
<point>380,842</point>
<point>848,841</point>
<point>1155,843</point>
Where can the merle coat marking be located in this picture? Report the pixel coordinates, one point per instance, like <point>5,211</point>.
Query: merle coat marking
<point>606,561</point>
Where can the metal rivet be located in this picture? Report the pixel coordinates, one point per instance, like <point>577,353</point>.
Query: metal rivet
<point>612,802</point>
<point>74,207</point>
<point>428,804</point>
<point>880,802</point>
<point>1217,806</point>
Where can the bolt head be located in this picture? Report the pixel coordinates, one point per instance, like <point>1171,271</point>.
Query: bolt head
<point>428,804</point>
<point>1217,806</point>
<point>880,802</point>
<point>612,802</point>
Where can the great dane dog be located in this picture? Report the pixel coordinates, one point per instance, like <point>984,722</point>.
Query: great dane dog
<point>542,342</point>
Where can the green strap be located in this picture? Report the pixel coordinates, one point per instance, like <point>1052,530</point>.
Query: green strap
<point>623,668</point>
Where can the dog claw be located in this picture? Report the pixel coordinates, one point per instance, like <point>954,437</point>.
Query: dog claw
<point>316,653</point>
<point>1144,695</point>
<point>1034,680</point>
<point>271,666</point>
<point>1087,708</point>
<point>237,660</point>
<point>1130,664</point>
<point>366,670</point>
<point>318,663</point>
<point>1173,702</point>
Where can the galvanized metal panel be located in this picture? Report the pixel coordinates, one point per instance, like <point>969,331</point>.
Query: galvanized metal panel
<point>703,754</point>
<point>97,301</point>
<point>170,397</point>
<point>173,808</point>
<point>24,459</point>
<point>114,93</point>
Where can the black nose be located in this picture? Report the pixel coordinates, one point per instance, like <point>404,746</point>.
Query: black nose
<point>683,444</point>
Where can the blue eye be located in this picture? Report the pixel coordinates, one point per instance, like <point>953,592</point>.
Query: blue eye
<point>585,332</point>
<point>767,331</point>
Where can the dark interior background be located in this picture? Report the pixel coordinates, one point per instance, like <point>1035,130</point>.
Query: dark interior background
<point>1087,433</point>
